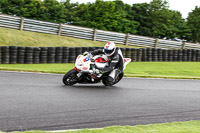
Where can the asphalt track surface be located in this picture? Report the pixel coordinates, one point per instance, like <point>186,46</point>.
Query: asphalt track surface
<point>30,101</point>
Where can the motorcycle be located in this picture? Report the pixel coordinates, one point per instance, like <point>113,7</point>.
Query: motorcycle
<point>87,70</point>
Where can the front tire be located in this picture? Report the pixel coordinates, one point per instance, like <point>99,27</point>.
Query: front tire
<point>109,81</point>
<point>70,78</point>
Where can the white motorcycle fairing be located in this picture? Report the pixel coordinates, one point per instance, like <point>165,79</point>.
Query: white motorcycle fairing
<point>87,69</point>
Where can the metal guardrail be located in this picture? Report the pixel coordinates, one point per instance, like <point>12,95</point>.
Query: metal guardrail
<point>25,24</point>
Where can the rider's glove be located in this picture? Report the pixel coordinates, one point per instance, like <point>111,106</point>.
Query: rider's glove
<point>85,53</point>
<point>90,55</point>
<point>102,72</point>
<point>99,71</point>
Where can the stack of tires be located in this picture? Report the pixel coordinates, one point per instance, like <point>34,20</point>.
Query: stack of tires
<point>164,55</point>
<point>20,55</point>
<point>128,52</point>
<point>91,49</point>
<point>43,54</point>
<point>5,55</point>
<point>134,55</point>
<point>28,55</point>
<point>13,54</point>
<point>180,55</point>
<point>175,55</point>
<point>198,55</point>
<point>189,54</point>
<point>65,57</point>
<point>36,55</point>
<point>193,55</point>
<point>78,51</point>
<point>154,54</point>
<point>144,54</point>
<point>0,55</point>
<point>149,54</point>
<point>159,54</point>
<point>139,55</point>
<point>184,55</point>
<point>72,55</point>
<point>170,55</point>
<point>84,49</point>
<point>58,54</point>
<point>51,55</point>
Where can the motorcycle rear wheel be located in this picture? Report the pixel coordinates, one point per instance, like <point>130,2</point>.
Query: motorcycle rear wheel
<point>70,78</point>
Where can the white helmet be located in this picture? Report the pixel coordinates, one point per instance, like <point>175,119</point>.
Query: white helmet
<point>109,48</point>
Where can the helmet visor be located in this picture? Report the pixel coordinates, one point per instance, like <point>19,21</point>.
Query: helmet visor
<point>108,51</point>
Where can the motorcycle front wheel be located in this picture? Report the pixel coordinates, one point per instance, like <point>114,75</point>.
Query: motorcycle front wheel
<point>70,78</point>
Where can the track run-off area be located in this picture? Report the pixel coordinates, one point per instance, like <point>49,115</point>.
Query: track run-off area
<point>35,101</point>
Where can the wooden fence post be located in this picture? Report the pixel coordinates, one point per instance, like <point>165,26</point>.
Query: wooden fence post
<point>183,45</point>
<point>127,36</point>
<point>22,24</point>
<point>95,35</point>
<point>156,43</point>
<point>60,29</point>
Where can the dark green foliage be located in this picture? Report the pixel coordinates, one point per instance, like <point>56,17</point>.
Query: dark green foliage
<point>153,19</point>
<point>105,15</point>
<point>157,20</point>
<point>194,24</point>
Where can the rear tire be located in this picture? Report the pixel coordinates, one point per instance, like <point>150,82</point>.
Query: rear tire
<point>70,78</point>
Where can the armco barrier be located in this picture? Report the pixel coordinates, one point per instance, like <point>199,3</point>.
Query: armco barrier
<point>36,55</point>
<point>24,24</point>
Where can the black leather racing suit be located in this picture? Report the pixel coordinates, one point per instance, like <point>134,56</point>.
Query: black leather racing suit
<point>116,62</point>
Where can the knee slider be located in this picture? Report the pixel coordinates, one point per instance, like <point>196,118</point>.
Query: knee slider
<point>110,79</point>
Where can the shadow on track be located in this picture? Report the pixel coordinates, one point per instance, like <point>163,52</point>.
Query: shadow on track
<point>92,87</point>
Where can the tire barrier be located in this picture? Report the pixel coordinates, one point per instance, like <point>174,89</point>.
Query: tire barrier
<point>72,54</point>
<point>0,55</point>
<point>28,58</point>
<point>20,55</point>
<point>35,55</point>
<point>154,55</point>
<point>144,54</point>
<point>13,54</point>
<point>134,55</point>
<point>5,55</point>
<point>58,54</point>
<point>65,58</point>
<point>43,55</point>
<point>51,55</point>
<point>198,55</point>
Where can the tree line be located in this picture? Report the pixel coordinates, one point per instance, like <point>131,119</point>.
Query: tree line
<point>153,19</point>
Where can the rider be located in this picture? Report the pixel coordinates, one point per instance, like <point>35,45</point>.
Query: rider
<point>116,63</point>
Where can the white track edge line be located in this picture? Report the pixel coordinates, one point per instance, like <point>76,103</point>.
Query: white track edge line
<point>63,74</point>
<point>75,130</point>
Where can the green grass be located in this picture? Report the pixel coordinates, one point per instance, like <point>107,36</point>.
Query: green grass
<point>175,127</point>
<point>177,70</point>
<point>12,37</point>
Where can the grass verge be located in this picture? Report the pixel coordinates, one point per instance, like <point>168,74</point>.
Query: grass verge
<point>175,127</point>
<point>174,70</point>
<point>12,37</point>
